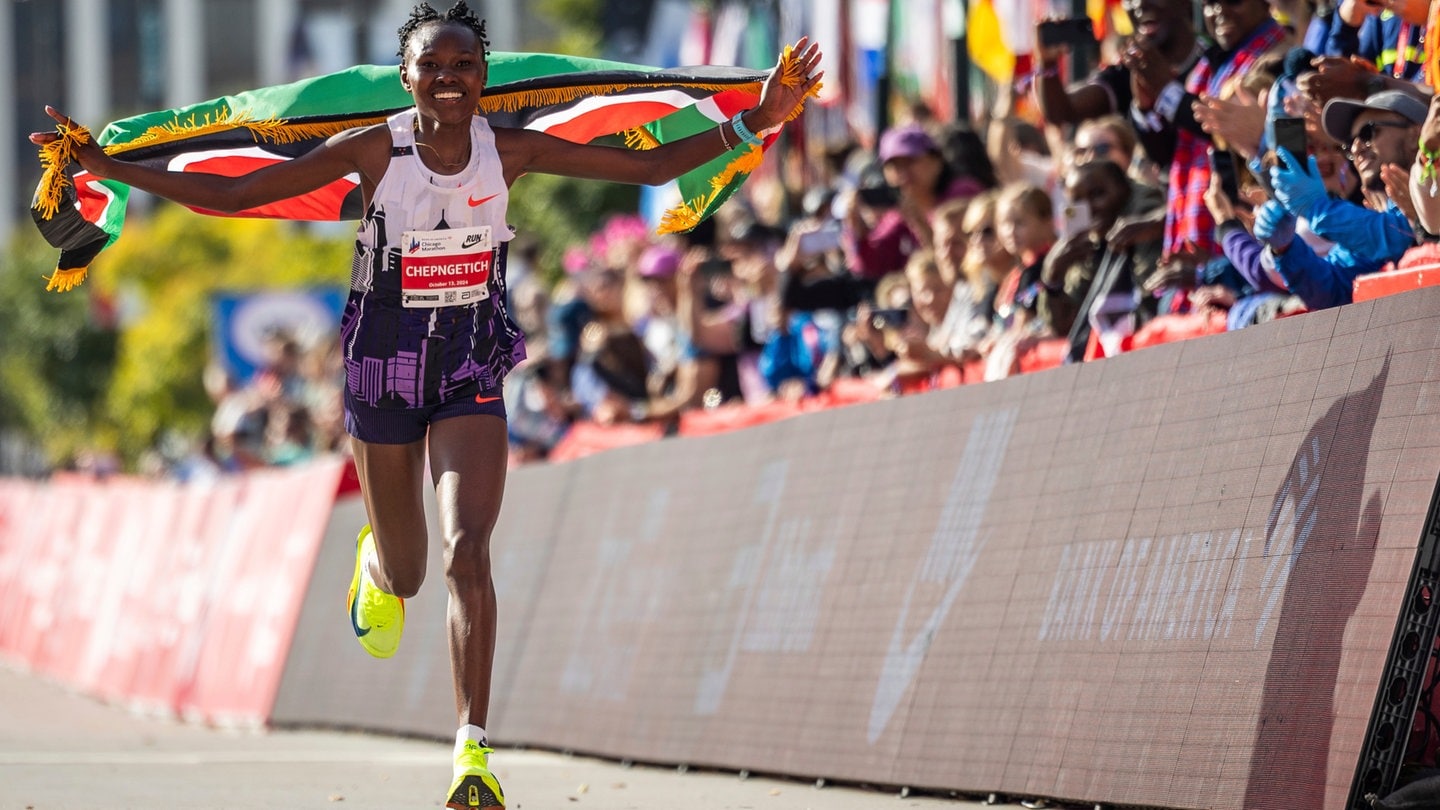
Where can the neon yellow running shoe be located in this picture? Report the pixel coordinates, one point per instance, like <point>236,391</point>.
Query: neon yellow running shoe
<point>474,785</point>
<point>377,617</point>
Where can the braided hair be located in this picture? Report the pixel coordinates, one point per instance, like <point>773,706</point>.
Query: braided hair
<point>423,14</point>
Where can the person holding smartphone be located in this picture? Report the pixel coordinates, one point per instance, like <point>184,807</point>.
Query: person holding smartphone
<point>1087,272</point>
<point>879,240</point>
<point>1166,28</point>
<point>1381,137</point>
<point>1164,112</point>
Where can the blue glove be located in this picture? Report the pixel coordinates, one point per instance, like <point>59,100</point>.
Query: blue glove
<point>1274,225</point>
<point>1297,189</point>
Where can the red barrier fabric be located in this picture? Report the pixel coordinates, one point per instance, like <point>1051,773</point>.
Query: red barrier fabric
<point>846,391</point>
<point>587,438</point>
<point>167,597</point>
<point>1172,328</point>
<point>726,418</point>
<point>1042,354</point>
<point>1375,285</point>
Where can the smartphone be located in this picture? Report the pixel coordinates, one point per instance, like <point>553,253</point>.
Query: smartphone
<point>1222,163</point>
<point>1290,134</point>
<point>879,196</point>
<point>715,267</point>
<point>889,318</point>
<point>1077,219</point>
<point>819,241</point>
<point>1069,31</point>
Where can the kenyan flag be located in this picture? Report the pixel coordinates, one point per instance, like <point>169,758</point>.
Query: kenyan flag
<point>570,97</point>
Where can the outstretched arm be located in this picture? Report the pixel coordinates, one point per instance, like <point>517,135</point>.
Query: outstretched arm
<point>344,153</point>
<point>524,151</point>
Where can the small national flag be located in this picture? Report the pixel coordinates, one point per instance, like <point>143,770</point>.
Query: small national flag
<point>575,98</point>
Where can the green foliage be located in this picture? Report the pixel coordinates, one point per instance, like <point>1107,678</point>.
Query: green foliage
<point>56,359</point>
<point>557,212</point>
<point>577,26</point>
<point>173,263</point>
<point>70,382</point>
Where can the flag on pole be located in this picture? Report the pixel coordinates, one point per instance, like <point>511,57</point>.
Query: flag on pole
<point>575,98</point>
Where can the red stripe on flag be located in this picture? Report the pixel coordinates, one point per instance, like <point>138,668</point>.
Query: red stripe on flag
<point>609,119</point>
<point>92,197</point>
<point>323,204</point>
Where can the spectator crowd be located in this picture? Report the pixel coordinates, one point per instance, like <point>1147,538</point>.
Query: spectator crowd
<point>1230,162</point>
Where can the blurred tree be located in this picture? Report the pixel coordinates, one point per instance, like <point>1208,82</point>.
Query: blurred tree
<point>576,26</point>
<point>57,356</point>
<point>117,363</point>
<point>167,268</point>
<point>558,212</point>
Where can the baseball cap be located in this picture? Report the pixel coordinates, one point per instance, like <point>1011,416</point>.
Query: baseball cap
<point>1340,113</point>
<point>910,140</point>
<point>659,261</point>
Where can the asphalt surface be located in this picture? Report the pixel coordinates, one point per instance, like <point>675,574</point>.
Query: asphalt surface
<point>60,750</point>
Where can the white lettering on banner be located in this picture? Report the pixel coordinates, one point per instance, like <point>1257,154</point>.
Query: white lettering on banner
<point>1181,587</point>
<point>449,269</point>
<point>445,268</point>
<point>954,547</point>
<point>788,603</point>
<point>627,588</point>
<point>773,592</point>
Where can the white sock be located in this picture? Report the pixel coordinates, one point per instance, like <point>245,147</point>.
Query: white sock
<point>369,563</point>
<point>470,732</point>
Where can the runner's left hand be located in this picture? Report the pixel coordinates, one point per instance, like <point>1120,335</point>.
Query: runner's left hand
<point>777,99</point>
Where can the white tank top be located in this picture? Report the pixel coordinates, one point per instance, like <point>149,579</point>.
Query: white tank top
<point>396,356</point>
<point>410,197</point>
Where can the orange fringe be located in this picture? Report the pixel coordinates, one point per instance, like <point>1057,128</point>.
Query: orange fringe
<point>54,158</point>
<point>65,280</point>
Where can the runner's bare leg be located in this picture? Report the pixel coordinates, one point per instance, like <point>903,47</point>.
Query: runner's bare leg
<point>392,481</point>
<point>468,458</point>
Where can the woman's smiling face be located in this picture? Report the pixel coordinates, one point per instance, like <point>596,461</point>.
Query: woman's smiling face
<point>445,71</point>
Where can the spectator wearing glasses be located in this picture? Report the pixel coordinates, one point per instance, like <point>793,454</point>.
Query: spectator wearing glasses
<point>1112,138</point>
<point>1381,131</point>
<point>972,301</point>
<point>1109,138</point>
<point>879,239</point>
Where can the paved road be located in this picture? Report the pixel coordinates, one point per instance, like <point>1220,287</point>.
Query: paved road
<point>60,750</point>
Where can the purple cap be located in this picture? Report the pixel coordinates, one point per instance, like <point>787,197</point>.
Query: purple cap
<point>907,141</point>
<point>659,261</point>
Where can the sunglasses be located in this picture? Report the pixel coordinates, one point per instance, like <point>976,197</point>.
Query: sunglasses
<point>1366,135</point>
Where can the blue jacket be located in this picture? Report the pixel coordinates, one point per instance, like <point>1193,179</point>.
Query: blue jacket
<point>1365,241</point>
<point>1377,40</point>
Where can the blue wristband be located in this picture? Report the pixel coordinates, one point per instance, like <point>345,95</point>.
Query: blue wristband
<point>743,132</point>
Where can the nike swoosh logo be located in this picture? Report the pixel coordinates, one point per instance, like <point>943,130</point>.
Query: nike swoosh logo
<point>954,549</point>
<point>482,400</point>
<point>474,202</point>
<point>355,618</point>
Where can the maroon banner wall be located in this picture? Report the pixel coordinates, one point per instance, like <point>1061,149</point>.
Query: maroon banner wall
<point>1166,579</point>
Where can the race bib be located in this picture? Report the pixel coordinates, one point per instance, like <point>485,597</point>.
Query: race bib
<point>445,268</point>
